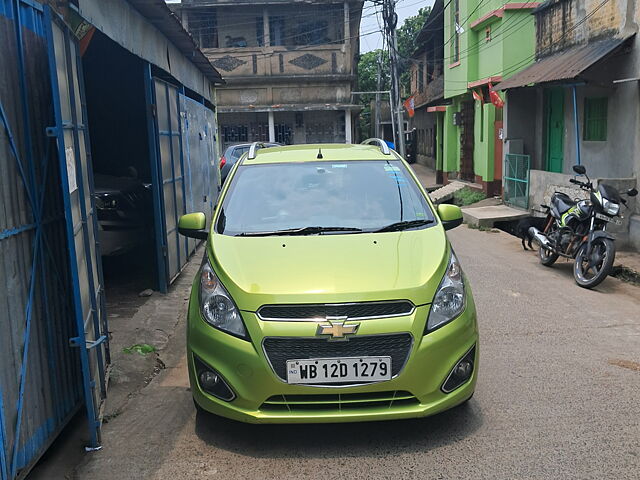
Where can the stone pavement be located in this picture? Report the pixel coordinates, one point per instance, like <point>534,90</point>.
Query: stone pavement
<point>426,175</point>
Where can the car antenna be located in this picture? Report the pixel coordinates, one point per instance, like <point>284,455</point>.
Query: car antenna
<point>319,154</point>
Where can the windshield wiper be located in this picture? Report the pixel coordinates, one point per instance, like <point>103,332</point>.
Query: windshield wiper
<point>404,225</point>
<point>299,231</point>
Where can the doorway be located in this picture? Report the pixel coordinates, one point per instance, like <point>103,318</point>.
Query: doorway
<point>555,129</point>
<point>466,142</point>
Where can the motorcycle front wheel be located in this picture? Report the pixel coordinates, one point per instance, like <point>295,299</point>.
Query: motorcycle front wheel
<point>591,268</point>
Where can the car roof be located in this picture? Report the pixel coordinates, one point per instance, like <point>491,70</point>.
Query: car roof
<point>338,152</point>
<point>247,145</point>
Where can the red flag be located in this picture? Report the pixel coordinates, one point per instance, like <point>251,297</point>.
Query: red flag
<point>495,97</point>
<point>409,104</point>
<point>477,96</point>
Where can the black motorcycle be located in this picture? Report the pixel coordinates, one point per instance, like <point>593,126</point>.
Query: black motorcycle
<point>578,230</point>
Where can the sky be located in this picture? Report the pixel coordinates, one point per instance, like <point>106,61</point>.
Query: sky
<point>404,9</point>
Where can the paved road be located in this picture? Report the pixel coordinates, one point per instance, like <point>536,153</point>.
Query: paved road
<point>557,398</point>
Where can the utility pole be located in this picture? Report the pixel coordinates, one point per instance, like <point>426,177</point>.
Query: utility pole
<point>391,20</point>
<point>379,87</point>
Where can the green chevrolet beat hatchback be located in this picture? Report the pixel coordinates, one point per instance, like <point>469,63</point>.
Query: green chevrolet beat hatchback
<point>328,292</point>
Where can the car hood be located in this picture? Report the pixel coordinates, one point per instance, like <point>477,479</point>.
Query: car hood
<point>331,268</point>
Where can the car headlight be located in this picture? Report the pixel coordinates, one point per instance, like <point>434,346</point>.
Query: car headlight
<point>216,305</point>
<point>450,300</point>
<point>610,208</point>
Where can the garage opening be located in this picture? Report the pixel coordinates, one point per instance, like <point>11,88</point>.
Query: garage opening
<point>117,112</point>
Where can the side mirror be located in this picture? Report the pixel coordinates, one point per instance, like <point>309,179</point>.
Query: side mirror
<point>450,215</point>
<point>193,225</point>
<point>579,169</point>
<point>632,192</point>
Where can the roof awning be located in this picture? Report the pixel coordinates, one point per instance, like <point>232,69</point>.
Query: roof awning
<point>566,65</point>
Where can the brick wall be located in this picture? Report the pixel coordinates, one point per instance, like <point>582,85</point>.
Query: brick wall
<point>563,23</point>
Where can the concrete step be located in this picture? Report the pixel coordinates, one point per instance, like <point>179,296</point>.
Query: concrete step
<point>489,215</point>
<point>446,193</point>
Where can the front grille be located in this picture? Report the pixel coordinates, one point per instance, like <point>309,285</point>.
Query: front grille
<point>339,401</point>
<point>350,310</point>
<point>278,349</point>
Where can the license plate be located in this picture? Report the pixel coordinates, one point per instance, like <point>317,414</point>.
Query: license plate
<point>608,219</point>
<point>338,370</point>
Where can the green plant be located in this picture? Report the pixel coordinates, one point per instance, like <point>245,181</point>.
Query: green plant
<point>140,348</point>
<point>467,196</point>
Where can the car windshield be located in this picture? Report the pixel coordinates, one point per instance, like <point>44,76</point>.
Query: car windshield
<point>322,197</point>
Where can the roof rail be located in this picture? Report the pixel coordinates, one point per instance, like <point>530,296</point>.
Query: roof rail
<point>384,148</point>
<point>253,150</point>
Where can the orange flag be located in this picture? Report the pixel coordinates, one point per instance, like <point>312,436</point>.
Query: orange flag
<point>495,97</point>
<point>409,104</point>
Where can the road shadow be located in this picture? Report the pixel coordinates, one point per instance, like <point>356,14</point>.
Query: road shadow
<point>344,440</point>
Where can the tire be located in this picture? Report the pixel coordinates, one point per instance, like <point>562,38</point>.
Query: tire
<point>199,409</point>
<point>605,252</point>
<point>547,258</point>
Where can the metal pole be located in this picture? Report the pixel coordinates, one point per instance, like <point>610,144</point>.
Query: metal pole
<point>379,87</point>
<point>397,99</point>
<point>575,120</point>
<point>391,21</point>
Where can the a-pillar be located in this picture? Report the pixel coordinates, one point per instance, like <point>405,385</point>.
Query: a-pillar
<point>272,127</point>
<point>347,127</point>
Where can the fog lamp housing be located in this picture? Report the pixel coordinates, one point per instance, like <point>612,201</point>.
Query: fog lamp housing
<point>461,372</point>
<point>211,382</point>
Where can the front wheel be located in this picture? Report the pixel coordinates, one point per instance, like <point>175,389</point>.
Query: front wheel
<point>591,268</point>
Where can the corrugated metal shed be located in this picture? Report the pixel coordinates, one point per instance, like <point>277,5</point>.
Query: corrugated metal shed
<point>160,16</point>
<point>149,30</point>
<point>566,65</point>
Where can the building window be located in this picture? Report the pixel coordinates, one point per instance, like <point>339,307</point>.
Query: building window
<point>260,31</point>
<point>235,133</point>
<point>276,30</point>
<point>204,27</point>
<point>421,77</point>
<point>595,119</point>
<point>455,17</point>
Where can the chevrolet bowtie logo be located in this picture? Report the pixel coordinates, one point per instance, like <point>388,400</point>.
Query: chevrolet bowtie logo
<point>337,329</point>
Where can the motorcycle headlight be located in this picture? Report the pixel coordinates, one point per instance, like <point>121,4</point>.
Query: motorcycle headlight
<point>610,208</point>
<point>216,305</point>
<point>450,300</point>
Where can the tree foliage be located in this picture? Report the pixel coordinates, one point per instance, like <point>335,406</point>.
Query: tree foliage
<point>368,82</point>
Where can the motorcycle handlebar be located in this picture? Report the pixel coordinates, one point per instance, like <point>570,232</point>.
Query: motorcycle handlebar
<point>584,185</point>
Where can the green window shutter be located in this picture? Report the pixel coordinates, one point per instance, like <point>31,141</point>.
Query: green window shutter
<point>595,119</point>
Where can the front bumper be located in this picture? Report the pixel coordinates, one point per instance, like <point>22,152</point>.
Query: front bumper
<point>245,368</point>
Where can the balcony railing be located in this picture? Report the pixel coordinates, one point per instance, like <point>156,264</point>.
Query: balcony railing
<point>285,61</point>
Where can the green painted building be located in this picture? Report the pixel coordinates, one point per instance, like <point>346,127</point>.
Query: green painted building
<point>484,42</point>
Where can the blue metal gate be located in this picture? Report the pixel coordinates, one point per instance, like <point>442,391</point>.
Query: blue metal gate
<point>202,175</point>
<point>181,169</point>
<point>71,135</point>
<point>50,280</point>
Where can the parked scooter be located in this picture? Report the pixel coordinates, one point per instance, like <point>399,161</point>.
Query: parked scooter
<point>578,230</point>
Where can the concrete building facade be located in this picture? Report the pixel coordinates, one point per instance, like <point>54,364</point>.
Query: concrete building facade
<point>579,102</point>
<point>290,66</point>
<point>484,42</point>
<point>427,89</point>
